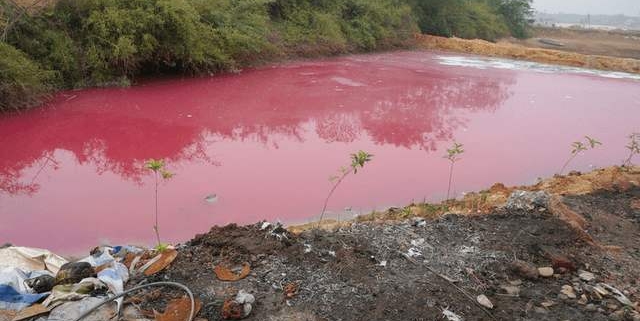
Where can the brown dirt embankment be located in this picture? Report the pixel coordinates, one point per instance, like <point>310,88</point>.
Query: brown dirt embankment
<point>514,51</point>
<point>612,43</point>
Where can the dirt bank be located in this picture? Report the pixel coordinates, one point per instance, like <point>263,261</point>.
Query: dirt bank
<point>615,43</point>
<point>520,52</point>
<point>408,268</point>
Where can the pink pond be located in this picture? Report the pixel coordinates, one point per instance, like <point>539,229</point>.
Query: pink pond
<point>265,142</point>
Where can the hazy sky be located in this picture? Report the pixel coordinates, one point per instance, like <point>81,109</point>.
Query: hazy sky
<point>628,7</point>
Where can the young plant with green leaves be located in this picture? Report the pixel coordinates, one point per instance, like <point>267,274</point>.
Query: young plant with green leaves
<point>633,147</point>
<point>358,160</point>
<point>159,170</point>
<point>453,155</point>
<point>579,147</point>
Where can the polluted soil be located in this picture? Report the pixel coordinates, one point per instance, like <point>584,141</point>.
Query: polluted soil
<point>526,259</point>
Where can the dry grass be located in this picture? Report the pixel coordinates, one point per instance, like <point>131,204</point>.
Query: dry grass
<point>487,201</point>
<point>506,50</point>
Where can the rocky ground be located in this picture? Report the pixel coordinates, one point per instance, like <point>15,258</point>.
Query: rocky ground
<point>565,249</point>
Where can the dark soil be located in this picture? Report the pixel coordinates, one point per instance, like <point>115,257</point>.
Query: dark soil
<point>340,276</point>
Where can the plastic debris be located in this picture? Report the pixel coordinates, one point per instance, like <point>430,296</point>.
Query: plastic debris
<point>72,310</point>
<point>211,198</point>
<point>413,252</point>
<point>178,310</point>
<point>383,263</point>
<point>451,316</point>
<point>10,299</point>
<point>225,274</point>
<point>420,223</point>
<point>279,232</point>
<point>75,292</point>
<point>264,226</point>
<point>307,248</point>
<point>617,294</point>
<point>30,259</point>
<point>238,308</point>
<point>20,279</point>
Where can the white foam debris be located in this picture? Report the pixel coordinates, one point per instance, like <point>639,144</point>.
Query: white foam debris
<point>499,63</point>
<point>347,82</point>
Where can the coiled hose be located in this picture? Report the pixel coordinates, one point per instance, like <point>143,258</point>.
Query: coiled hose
<point>137,288</point>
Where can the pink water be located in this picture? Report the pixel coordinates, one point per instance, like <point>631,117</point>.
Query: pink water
<point>265,142</point>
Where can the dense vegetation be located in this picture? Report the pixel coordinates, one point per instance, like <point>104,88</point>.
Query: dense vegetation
<point>78,43</point>
<point>484,19</point>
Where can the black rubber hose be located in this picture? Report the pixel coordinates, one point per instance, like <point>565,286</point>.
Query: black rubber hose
<point>183,287</point>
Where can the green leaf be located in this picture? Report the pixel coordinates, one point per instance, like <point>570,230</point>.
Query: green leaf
<point>154,165</point>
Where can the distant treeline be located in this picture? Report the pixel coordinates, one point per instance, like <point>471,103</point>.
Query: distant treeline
<point>79,43</point>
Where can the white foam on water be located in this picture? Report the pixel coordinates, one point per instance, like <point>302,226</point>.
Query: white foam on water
<point>347,82</point>
<point>497,63</point>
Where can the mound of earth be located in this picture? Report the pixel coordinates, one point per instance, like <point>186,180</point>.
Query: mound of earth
<point>528,263</point>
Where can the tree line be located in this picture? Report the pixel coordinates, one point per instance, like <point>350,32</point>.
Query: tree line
<point>46,46</point>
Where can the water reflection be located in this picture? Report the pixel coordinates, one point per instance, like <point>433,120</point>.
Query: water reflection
<point>396,100</point>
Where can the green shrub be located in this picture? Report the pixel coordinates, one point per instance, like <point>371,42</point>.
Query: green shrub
<point>485,19</point>
<point>106,42</point>
<point>22,81</point>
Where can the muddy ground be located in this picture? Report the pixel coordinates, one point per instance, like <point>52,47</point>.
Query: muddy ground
<point>361,271</point>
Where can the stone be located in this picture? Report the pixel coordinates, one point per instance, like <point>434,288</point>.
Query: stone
<point>484,301</point>
<point>586,276</point>
<point>583,300</point>
<point>548,304</point>
<point>74,272</point>
<point>524,269</point>
<point>568,291</point>
<point>545,272</point>
<point>591,307</point>
<point>525,200</point>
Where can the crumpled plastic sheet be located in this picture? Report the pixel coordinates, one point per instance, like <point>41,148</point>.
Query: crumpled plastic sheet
<point>72,310</point>
<point>16,278</point>
<point>73,292</point>
<point>114,274</point>
<point>10,299</point>
<point>30,259</point>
